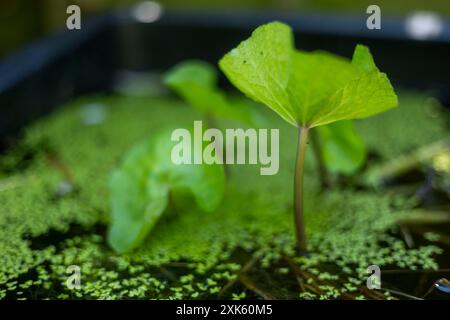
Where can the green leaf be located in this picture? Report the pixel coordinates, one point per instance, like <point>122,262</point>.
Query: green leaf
<point>363,97</point>
<point>342,149</point>
<point>318,75</point>
<point>362,58</point>
<point>306,89</point>
<point>196,82</point>
<point>261,67</point>
<point>140,188</point>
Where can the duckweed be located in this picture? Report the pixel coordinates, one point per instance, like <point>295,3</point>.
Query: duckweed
<point>193,255</point>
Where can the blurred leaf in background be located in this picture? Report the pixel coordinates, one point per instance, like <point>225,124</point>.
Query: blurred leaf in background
<point>342,149</point>
<point>147,182</point>
<point>197,83</point>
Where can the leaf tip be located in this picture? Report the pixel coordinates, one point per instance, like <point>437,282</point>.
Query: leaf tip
<point>363,59</point>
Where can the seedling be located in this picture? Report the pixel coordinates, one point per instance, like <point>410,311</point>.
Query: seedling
<point>142,187</point>
<point>307,89</point>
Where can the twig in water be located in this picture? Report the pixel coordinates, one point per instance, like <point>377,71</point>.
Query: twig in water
<point>248,265</point>
<point>402,294</point>
<point>252,287</point>
<point>407,236</point>
<point>397,271</point>
<point>168,274</point>
<point>305,275</point>
<point>429,291</point>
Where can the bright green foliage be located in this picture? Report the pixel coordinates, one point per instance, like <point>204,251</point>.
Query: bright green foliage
<point>306,89</point>
<point>196,82</point>
<point>141,187</point>
<point>347,229</point>
<point>341,147</point>
<point>363,59</point>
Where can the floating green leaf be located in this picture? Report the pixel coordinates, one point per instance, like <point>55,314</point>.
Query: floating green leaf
<point>196,82</point>
<point>140,190</point>
<point>342,149</point>
<point>307,89</point>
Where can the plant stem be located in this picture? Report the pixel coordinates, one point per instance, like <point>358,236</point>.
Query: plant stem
<point>298,191</point>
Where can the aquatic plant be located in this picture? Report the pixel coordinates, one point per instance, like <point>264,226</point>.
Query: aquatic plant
<point>307,89</point>
<point>41,234</point>
<point>148,181</point>
<point>196,82</point>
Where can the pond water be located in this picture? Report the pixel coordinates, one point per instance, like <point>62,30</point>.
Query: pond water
<point>54,212</point>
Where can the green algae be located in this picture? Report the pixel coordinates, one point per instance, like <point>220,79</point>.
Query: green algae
<point>192,255</point>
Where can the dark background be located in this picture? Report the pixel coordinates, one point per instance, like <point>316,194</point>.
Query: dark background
<point>43,65</point>
<point>22,21</point>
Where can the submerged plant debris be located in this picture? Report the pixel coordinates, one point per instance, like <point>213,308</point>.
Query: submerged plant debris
<point>244,249</point>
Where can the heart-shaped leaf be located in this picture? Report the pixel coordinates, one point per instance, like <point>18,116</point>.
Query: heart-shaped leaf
<point>307,89</point>
<point>140,188</point>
